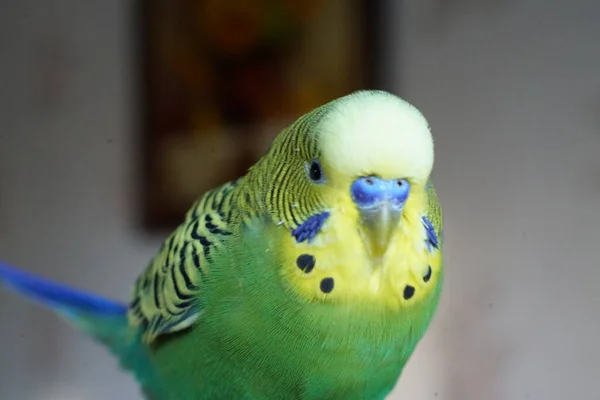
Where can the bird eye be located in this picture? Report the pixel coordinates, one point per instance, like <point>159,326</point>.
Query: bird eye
<point>314,171</point>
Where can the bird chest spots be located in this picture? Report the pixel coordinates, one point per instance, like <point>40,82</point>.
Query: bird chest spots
<point>306,262</point>
<point>409,292</point>
<point>327,285</point>
<point>427,275</point>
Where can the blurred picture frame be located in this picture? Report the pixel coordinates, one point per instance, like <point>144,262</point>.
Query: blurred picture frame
<point>219,79</point>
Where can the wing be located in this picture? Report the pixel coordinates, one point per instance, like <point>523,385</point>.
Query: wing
<point>167,295</point>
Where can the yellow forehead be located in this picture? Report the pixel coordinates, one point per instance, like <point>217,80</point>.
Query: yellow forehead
<point>376,133</point>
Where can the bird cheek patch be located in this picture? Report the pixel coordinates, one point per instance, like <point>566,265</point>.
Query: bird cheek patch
<point>309,228</point>
<point>432,240</point>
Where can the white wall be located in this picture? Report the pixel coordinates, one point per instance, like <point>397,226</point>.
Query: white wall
<point>512,91</point>
<point>66,188</point>
<point>513,95</point>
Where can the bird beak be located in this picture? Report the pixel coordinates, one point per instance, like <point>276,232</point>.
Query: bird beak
<point>380,203</point>
<point>378,227</point>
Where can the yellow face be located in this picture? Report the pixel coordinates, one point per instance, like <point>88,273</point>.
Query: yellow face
<point>360,184</point>
<point>337,266</point>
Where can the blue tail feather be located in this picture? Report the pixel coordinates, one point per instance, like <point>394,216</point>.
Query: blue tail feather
<point>103,319</point>
<point>60,297</point>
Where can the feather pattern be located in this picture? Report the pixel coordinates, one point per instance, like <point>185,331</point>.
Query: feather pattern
<point>167,296</point>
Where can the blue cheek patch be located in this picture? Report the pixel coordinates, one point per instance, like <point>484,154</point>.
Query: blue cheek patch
<point>432,239</point>
<point>309,228</point>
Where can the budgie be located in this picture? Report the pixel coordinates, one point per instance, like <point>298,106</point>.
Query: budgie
<point>313,276</point>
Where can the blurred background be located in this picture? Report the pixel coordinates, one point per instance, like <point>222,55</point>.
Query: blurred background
<point>511,89</point>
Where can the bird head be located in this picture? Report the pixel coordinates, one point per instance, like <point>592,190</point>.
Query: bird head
<point>348,180</point>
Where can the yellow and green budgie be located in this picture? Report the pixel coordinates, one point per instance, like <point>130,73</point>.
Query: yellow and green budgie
<point>314,276</point>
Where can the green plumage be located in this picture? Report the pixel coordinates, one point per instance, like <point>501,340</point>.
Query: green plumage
<point>217,316</point>
<point>257,341</point>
